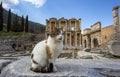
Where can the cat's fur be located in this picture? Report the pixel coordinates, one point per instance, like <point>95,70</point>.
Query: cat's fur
<point>45,52</point>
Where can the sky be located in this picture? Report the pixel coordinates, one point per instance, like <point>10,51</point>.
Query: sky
<point>90,11</point>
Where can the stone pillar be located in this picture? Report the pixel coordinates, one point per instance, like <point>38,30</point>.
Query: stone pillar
<point>55,23</point>
<point>75,34</point>
<point>81,43</point>
<point>86,42</point>
<point>50,26</point>
<point>91,42</point>
<point>80,39</point>
<point>79,22</point>
<point>114,44</point>
<point>75,28</point>
<point>59,24</point>
<point>65,26</point>
<point>70,40</point>
<point>99,41</point>
<point>115,15</point>
<point>76,39</point>
<point>70,24</point>
<point>116,33</point>
<point>66,39</point>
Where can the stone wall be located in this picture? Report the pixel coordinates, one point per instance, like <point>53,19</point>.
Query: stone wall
<point>106,33</point>
<point>92,36</point>
<point>22,42</point>
<point>72,28</point>
<point>95,39</point>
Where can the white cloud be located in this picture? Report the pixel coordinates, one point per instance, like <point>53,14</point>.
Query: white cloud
<point>37,3</point>
<point>8,3</point>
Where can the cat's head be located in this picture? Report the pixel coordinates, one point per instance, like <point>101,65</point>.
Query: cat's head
<point>57,34</point>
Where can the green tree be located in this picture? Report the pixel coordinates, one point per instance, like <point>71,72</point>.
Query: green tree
<point>26,24</point>
<point>1,17</point>
<point>22,23</point>
<point>42,29</point>
<point>9,21</point>
<point>15,25</point>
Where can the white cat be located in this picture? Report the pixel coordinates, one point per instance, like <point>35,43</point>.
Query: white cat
<point>45,52</point>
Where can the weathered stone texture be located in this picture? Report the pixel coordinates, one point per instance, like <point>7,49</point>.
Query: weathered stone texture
<point>66,67</point>
<point>106,33</point>
<point>72,31</point>
<point>114,47</point>
<point>115,13</point>
<point>21,41</point>
<point>91,36</point>
<point>4,63</point>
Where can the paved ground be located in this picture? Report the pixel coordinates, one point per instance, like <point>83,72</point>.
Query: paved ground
<point>67,67</point>
<point>86,65</point>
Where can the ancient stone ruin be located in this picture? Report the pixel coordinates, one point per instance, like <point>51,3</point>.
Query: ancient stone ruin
<point>72,31</point>
<point>114,43</point>
<point>94,38</point>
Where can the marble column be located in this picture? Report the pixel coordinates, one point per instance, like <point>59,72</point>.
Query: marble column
<point>70,40</point>
<point>66,39</point>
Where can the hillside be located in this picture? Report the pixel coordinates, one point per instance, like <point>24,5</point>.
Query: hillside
<point>33,26</point>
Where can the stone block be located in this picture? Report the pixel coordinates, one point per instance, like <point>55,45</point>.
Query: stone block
<point>114,47</point>
<point>87,49</point>
<point>4,63</point>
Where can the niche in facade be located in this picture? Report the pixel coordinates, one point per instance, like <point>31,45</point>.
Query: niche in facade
<point>95,42</point>
<point>72,26</point>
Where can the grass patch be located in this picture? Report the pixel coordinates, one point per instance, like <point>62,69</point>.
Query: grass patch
<point>5,33</point>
